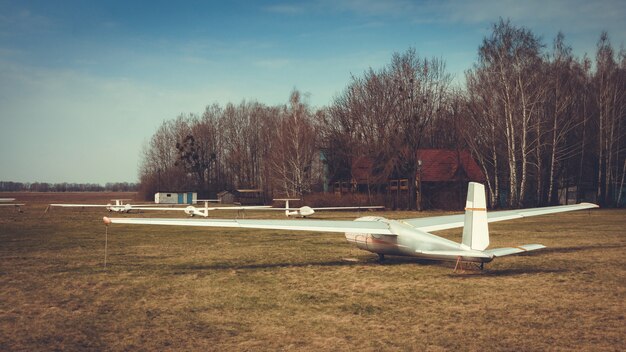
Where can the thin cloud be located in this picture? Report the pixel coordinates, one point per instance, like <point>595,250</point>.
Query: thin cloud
<point>576,15</point>
<point>375,7</point>
<point>22,20</point>
<point>273,63</point>
<point>285,9</point>
<point>577,12</point>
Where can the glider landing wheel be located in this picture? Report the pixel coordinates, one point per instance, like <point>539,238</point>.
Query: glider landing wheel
<point>381,257</point>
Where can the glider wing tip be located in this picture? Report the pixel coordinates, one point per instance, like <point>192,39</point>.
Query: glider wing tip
<point>592,205</point>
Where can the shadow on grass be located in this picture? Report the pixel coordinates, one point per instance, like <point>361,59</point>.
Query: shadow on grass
<point>182,269</point>
<point>516,271</point>
<point>187,269</point>
<point>235,266</point>
<point>205,269</point>
<point>389,261</point>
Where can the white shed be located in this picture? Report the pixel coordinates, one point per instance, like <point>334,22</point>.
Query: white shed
<point>176,198</point>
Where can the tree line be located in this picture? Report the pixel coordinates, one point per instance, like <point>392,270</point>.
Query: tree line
<point>249,145</point>
<point>535,117</point>
<point>8,186</point>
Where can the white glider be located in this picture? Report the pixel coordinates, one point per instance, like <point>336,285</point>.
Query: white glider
<point>6,202</point>
<point>204,212</point>
<point>119,206</point>
<point>305,211</point>
<point>410,237</point>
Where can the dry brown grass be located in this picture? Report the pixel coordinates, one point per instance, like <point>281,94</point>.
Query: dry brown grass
<point>171,288</point>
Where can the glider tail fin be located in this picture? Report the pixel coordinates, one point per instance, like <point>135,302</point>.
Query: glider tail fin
<point>476,229</point>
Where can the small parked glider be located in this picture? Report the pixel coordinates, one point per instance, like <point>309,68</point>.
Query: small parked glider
<point>6,202</point>
<point>119,206</point>
<point>305,211</point>
<point>409,237</point>
<point>193,211</point>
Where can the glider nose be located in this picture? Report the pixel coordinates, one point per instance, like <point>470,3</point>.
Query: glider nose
<point>106,220</point>
<point>306,211</point>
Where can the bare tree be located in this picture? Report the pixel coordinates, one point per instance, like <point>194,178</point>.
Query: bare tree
<point>423,86</point>
<point>509,62</point>
<point>295,148</point>
<point>384,115</point>
<point>609,82</point>
<point>562,92</point>
<point>482,130</point>
<point>158,170</point>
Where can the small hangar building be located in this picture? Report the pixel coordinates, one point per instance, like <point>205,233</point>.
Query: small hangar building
<point>176,198</point>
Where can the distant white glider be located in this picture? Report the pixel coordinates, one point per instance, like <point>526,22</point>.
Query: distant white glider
<point>118,206</point>
<point>305,211</point>
<point>204,212</point>
<point>5,202</point>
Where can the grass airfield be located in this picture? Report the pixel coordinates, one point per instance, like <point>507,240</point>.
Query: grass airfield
<point>175,288</point>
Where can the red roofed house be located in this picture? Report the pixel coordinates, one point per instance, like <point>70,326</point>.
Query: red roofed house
<point>443,177</point>
<point>441,165</point>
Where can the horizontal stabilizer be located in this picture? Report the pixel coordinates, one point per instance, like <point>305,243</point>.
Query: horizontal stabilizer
<point>499,252</point>
<point>459,253</point>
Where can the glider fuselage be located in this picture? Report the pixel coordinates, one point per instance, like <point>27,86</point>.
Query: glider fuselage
<point>409,241</point>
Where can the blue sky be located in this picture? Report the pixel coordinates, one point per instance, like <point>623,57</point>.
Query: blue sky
<point>85,84</point>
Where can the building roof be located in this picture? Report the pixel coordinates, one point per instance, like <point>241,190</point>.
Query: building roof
<point>438,165</point>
